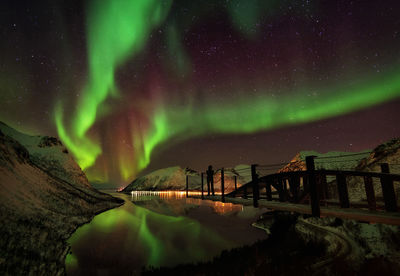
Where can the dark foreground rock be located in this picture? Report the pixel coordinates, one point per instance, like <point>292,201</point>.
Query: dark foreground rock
<point>44,197</point>
<point>306,246</point>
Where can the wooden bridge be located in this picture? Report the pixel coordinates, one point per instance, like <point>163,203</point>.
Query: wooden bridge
<point>307,192</point>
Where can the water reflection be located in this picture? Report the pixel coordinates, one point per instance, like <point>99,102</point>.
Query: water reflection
<point>179,197</point>
<point>166,194</point>
<point>122,240</point>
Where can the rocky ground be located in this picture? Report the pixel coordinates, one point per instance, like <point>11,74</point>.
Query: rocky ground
<point>298,245</point>
<point>44,197</point>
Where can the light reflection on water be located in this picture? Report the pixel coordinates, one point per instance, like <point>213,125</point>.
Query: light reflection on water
<point>122,240</point>
<point>217,206</point>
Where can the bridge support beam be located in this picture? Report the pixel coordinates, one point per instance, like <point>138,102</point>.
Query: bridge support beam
<point>342,190</point>
<point>312,183</point>
<point>187,186</point>
<point>369,190</point>
<point>294,184</point>
<point>285,189</point>
<point>279,187</point>
<point>254,179</point>
<point>222,185</point>
<point>324,186</point>
<point>202,185</point>
<point>210,180</point>
<point>389,195</point>
<point>268,190</point>
<point>235,183</point>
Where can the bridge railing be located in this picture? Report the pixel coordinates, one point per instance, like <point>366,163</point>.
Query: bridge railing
<point>311,185</point>
<point>306,186</point>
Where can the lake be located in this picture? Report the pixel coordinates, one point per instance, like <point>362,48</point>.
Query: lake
<point>163,229</point>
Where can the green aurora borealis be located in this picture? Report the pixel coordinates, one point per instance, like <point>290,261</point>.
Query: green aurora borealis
<point>157,73</point>
<point>117,30</point>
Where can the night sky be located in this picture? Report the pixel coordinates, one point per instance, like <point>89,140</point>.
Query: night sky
<point>130,86</point>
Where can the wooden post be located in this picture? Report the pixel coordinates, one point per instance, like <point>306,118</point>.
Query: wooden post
<point>268,190</point>
<point>369,190</point>
<point>208,184</point>
<point>312,183</point>
<point>202,185</point>
<point>285,190</point>
<point>245,191</point>
<point>210,180</point>
<point>254,179</point>
<point>222,185</point>
<point>342,190</point>
<point>187,186</point>
<point>235,183</point>
<point>324,186</point>
<point>389,196</point>
<point>279,187</point>
<point>306,187</point>
<point>294,184</point>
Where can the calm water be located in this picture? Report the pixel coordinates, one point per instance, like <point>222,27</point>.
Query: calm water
<point>158,230</point>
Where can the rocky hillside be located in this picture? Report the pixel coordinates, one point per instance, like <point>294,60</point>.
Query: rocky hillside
<point>50,155</point>
<point>44,197</point>
<point>388,152</point>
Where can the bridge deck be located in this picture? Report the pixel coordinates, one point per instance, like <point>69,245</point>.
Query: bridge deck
<point>345,213</point>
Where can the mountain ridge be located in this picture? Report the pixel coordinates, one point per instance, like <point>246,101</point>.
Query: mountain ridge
<point>42,201</point>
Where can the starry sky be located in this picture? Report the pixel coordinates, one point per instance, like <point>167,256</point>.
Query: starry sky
<point>130,86</point>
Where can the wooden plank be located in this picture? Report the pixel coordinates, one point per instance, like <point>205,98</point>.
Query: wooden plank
<point>369,190</point>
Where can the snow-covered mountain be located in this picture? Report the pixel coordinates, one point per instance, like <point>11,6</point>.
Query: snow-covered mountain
<point>174,178</point>
<point>333,160</point>
<point>50,155</point>
<point>388,152</point>
<point>44,197</point>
